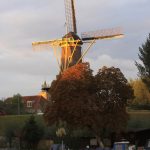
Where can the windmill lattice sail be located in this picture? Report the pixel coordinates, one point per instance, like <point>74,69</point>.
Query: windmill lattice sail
<point>102,34</point>
<point>70,16</point>
<point>50,43</point>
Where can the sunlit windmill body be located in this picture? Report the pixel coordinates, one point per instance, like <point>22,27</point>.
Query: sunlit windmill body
<point>68,50</point>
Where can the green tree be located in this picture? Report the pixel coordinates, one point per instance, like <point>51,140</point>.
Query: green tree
<point>2,106</point>
<point>32,133</point>
<point>9,134</point>
<point>14,105</point>
<point>144,68</point>
<point>141,93</point>
<point>13,130</point>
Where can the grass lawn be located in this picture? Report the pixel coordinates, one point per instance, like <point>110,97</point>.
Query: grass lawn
<point>15,121</point>
<point>138,120</point>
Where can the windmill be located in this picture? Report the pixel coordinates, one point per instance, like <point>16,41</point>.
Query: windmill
<point>67,49</point>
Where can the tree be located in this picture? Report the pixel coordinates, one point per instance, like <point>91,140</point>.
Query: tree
<point>71,95</point>
<point>14,105</point>
<point>144,56</point>
<point>83,100</point>
<point>9,134</point>
<point>32,133</point>
<point>12,131</point>
<point>141,93</point>
<point>113,91</point>
<point>2,107</point>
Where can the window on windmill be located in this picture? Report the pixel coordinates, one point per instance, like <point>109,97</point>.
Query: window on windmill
<point>29,103</point>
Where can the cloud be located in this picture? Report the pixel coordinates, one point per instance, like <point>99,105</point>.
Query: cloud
<point>25,21</point>
<point>25,72</point>
<point>13,83</point>
<point>127,66</point>
<point>34,63</point>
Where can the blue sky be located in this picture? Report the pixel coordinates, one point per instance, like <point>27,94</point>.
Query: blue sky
<point>23,21</point>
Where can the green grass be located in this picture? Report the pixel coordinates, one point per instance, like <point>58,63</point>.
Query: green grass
<point>138,120</point>
<point>16,121</point>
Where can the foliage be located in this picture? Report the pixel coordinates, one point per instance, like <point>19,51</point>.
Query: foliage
<point>113,91</point>
<point>83,100</point>
<point>9,134</point>
<point>61,132</point>
<point>32,133</point>
<point>73,98</point>
<point>2,107</point>
<point>14,105</point>
<point>141,93</point>
<point>144,68</point>
<point>11,127</point>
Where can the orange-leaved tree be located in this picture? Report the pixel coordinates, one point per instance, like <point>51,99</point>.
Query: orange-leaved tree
<point>83,100</point>
<point>73,98</point>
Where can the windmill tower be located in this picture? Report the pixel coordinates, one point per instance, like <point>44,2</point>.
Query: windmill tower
<point>68,50</point>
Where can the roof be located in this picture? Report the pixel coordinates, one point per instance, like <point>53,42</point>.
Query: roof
<point>33,98</point>
<point>74,36</point>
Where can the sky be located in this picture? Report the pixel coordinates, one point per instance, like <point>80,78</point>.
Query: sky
<point>23,70</point>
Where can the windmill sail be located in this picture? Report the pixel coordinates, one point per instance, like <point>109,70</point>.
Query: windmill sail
<point>67,49</point>
<point>47,43</point>
<point>102,34</point>
<point>70,16</point>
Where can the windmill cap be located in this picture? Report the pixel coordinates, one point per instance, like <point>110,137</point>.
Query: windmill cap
<point>74,36</point>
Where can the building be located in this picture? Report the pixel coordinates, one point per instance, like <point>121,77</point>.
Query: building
<point>35,103</point>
